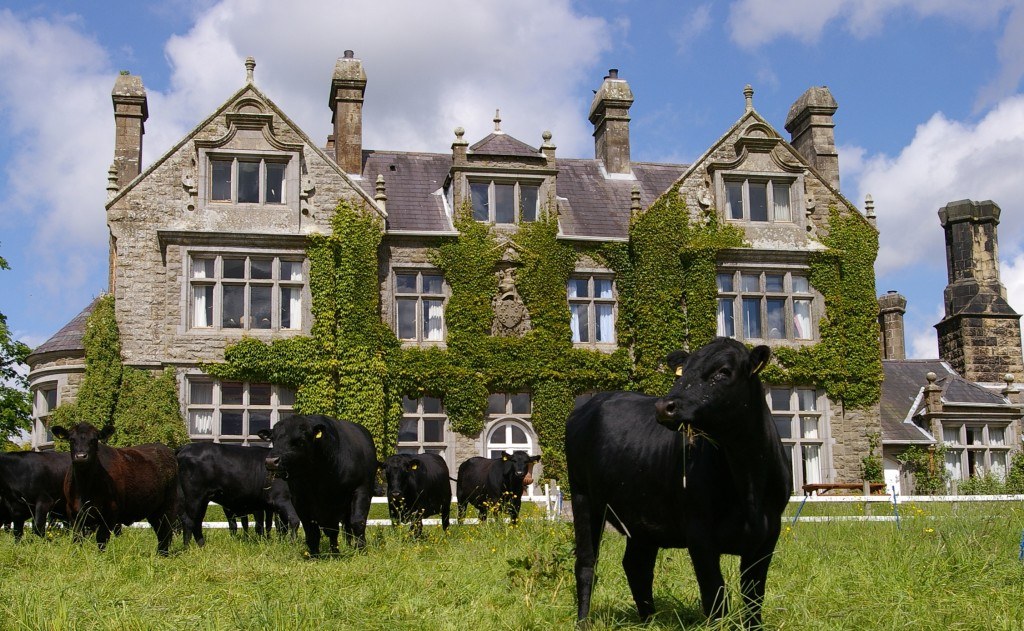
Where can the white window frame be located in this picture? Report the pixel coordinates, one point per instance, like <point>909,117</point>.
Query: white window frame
<point>798,309</point>
<point>472,183</point>
<point>419,411</point>
<point>419,296</point>
<point>966,458</point>
<point>590,303</point>
<point>207,283</point>
<point>262,161</point>
<point>200,414</point>
<point>808,446</point>
<point>772,183</point>
<point>42,408</point>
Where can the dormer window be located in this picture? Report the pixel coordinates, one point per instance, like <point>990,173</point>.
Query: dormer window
<point>504,202</point>
<point>758,199</point>
<point>247,180</point>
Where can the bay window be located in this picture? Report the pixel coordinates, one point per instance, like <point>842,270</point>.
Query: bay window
<point>249,292</point>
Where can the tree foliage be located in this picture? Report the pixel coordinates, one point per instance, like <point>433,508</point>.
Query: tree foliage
<point>15,404</point>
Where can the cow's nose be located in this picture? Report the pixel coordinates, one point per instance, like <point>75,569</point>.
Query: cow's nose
<point>665,408</point>
<point>273,462</point>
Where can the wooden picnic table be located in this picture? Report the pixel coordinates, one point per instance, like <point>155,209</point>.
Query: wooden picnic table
<point>822,488</point>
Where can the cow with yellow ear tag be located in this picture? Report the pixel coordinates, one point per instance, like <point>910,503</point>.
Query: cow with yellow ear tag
<point>418,487</point>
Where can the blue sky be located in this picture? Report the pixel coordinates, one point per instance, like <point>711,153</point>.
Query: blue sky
<point>929,93</point>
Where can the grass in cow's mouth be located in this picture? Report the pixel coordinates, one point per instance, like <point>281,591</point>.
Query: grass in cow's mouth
<point>946,567</point>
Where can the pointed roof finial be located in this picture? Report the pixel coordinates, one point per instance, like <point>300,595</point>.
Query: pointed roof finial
<point>381,197</point>
<point>250,66</point>
<point>748,96</point>
<point>634,200</point>
<point>497,121</point>
<point>869,206</point>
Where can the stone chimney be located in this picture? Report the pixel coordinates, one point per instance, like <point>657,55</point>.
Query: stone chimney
<point>346,102</point>
<point>130,113</point>
<point>980,333</point>
<point>811,130</point>
<point>891,308</point>
<point>609,113</point>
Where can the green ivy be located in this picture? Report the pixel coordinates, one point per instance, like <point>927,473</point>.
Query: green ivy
<point>927,464</point>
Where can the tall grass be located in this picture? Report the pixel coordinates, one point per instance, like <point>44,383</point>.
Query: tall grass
<point>941,569</point>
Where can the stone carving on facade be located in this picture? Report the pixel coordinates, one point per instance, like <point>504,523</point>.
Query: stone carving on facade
<point>704,195</point>
<point>510,316</point>
<point>306,190</point>
<point>188,182</point>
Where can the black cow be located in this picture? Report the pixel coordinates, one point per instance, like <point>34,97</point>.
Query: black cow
<point>418,486</point>
<point>494,483</point>
<point>108,486</point>
<point>720,492</point>
<point>32,487</point>
<point>331,467</point>
<point>235,477</point>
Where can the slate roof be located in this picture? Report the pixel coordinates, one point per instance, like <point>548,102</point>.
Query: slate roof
<point>903,381</point>
<point>501,144</point>
<point>411,181</point>
<point>71,337</point>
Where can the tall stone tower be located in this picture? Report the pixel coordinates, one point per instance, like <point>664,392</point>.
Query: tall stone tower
<point>609,113</point>
<point>891,308</point>
<point>348,86</point>
<point>980,333</point>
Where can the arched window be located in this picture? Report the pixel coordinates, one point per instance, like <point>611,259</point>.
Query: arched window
<point>509,435</point>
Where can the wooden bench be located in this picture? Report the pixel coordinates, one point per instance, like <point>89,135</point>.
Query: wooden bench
<point>821,489</point>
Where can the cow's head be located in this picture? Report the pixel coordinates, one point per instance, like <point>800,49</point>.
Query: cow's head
<point>84,440</point>
<point>296,440</point>
<point>518,466</point>
<point>400,472</point>
<point>715,385</point>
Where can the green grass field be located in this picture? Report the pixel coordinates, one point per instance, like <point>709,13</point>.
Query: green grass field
<point>945,568</point>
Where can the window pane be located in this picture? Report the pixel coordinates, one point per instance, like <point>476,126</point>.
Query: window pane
<point>603,288</point>
<point>780,193</point>
<point>291,308</point>
<point>234,304</point>
<point>579,322</point>
<point>518,436</point>
<point>408,430</point>
<point>784,424</point>
<point>221,180</point>
<point>776,319</point>
<point>496,403</point>
<point>953,465</point>
<point>431,405</point>
<point>231,393</point>
<point>802,319</point>
<point>260,309</point>
<point>726,324</point>
<point>248,182</point>
<point>409,406</point>
<point>996,436</point>
<point>231,423</point>
<point>291,270</point>
<point>200,422</point>
<point>800,285</point>
<point>780,399</point>
<point>261,268</point>
<point>50,400</point>
<point>202,268</point>
<point>751,318</point>
<point>998,468</point>
<point>234,268</point>
<point>520,403</point>
<point>774,282</point>
<point>809,427</point>
<point>734,200</point>
<point>200,392</point>
<point>806,401</point>
<point>274,190</point>
<point>432,284</point>
<point>433,430</point>
<point>725,282</point>
<point>258,420</point>
<point>528,202</point>
<point>812,464</point>
<point>579,288</point>
<point>285,397</point>
<point>758,201</point>
<point>478,194</point>
<point>951,435</point>
<point>974,436</point>
<point>202,306</point>
<point>259,394</point>
<point>405,283</point>
<point>407,319</point>
<point>504,203</point>
<point>750,282</point>
<point>433,320</point>
<point>604,327</point>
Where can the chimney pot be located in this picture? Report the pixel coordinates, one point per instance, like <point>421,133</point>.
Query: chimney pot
<point>609,114</point>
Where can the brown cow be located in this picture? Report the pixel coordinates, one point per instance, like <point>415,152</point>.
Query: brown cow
<point>108,486</point>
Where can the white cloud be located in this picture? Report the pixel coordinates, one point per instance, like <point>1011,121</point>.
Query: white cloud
<point>1011,272</point>
<point>1010,52</point>
<point>947,160</point>
<point>924,341</point>
<point>694,25</point>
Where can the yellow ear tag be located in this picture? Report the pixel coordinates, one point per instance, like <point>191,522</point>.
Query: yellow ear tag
<point>319,434</point>
<point>758,368</point>
<point>679,371</point>
<point>415,466</point>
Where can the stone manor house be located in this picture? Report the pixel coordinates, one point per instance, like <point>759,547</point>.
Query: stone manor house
<point>208,245</point>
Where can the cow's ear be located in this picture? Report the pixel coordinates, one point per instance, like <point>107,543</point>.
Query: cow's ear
<point>318,431</point>
<point>504,456</point>
<point>759,359</point>
<point>106,432</point>
<point>534,459</point>
<point>59,432</point>
<point>265,434</point>
<point>675,361</point>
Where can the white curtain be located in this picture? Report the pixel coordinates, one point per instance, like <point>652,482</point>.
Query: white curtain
<point>201,421</point>
<point>998,468</point>
<point>574,318</point>
<point>953,465</point>
<point>812,464</point>
<point>199,303</point>
<point>605,323</point>
<point>433,321</point>
<point>725,323</point>
<point>802,319</point>
<point>780,193</point>
<point>291,298</point>
<point>809,426</point>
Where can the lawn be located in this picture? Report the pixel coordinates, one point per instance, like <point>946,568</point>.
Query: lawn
<point>944,567</point>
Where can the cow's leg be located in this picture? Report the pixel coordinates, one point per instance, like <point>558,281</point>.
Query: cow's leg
<point>39,518</point>
<point>358,514</point>
<point>708,569</point>
<point>19,528</point>
<point>102,534</point>
<point>588,525</point>
<point>312,530</point>
<point>332,536</point>
<point>446,510</point>
<point>197,525</point>
<point>753,577</point>
<point>638,562</point>
<point>164,533</point>
<point>257,517</point>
